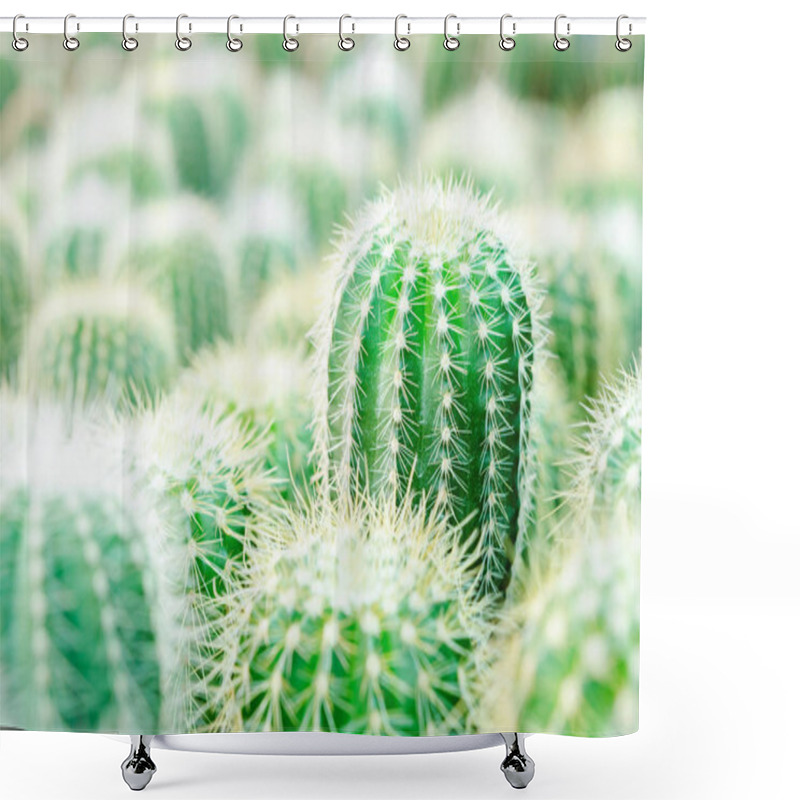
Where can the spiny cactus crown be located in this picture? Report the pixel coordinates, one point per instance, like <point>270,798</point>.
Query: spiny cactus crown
<point>425,360</point>
<point>363,622</point>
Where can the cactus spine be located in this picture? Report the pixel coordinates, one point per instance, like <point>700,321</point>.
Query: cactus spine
<point>363,622</point>
<point>425,362</point>
<point>91,340</point>
<point>79,646</point>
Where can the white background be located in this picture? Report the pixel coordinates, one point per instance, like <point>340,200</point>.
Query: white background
<point>720,690</point>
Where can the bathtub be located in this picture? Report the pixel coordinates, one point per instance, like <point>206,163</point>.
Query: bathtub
<point>139,767</point>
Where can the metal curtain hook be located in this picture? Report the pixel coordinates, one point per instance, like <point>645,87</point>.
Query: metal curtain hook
<point>18,43</point>
<point>507,42</point>
<point>233,44</point>
<point>289,44</point>
<point>451,42</point>
<point>70,43</point>
<point>401,42</point>
<point>561,43</point>
<point>623,45</point>
<point>183,43</point>
<point>346,42</point>
<point>129,43</point>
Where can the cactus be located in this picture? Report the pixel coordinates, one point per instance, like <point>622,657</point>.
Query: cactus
<point>362,622</point>
<point>605,491</point>
<point>13,301</point>
<point>566,658</point>
<point>268,390</point>
<point>78,639</point>
<point>285,314</point>
<point>425,362</point>
<point>187,275</point>
<point>91,340</point>
<point>566,655</point>
<point>208,134</point>
<point>206,467</point>
<point>595,315</point>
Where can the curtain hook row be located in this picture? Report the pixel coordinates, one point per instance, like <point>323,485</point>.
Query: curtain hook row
<point>451,42</point>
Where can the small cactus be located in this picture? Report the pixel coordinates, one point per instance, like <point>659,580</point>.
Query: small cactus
<point>594,309</point>
<point>209,134</point>
<point>285,314</point>
<point>14,296</point>
<point>565,657</point>
<point>78,639</point>
<point>269,391</point>
<point>364,621</point>
<point>187,275</point>
<point>90,341</point>
<point>206,468</point>
<point>425,361</point>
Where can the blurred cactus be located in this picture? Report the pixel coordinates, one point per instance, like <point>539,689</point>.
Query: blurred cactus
<point>595,315</point>
<point>425,362</point>
<point>134,169</point>
<point>78,639</point>
<point>269,391</point>
<point>209,132</point>
<point>565,657</point>
<point>91,340</point>
<point>187,275</point>
<point>285,315</point>
<point>14,298</point>
<point>363,622</point>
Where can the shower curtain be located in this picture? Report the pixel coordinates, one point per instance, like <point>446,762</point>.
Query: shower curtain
<point>320,401</point>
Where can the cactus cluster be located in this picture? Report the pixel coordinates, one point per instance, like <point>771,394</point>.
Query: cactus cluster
<point>425,362</point>
<point>78,640</point>
<point>93,340</point>
<point>362,621</point>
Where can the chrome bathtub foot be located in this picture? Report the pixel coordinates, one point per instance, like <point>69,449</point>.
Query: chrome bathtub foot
<point>138,768</point>
<point>517,766</point>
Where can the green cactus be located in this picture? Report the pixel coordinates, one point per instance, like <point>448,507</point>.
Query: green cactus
<point>207,469</point>
<point>13,301</point>
<point>91,340</point>
<point>209,134</point>
<point>605,491</point>
<point>595,315</point>
<point>187,275</point>
<point>269,391</point>
<point>425,361</point>
<point>78,640</point>
<point>133,168</point>
<point>285,314</point>
<point>362,622</point>
<point>566,654</point>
